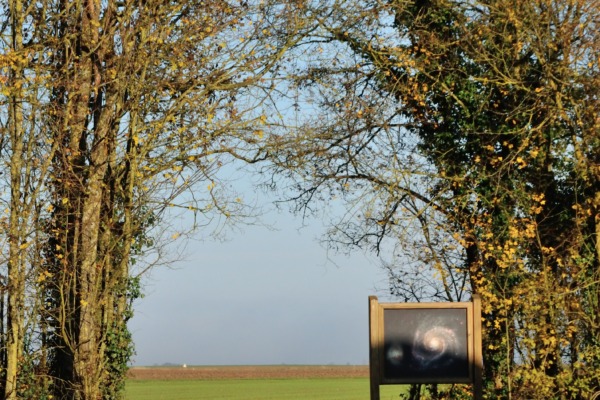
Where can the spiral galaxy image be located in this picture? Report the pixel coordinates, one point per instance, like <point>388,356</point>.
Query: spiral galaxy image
<point>425,343</point>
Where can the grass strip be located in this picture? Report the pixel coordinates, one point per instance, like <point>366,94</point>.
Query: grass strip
<point>256,389</point>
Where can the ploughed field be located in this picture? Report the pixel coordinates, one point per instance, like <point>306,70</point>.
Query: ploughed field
<point>249,372</point>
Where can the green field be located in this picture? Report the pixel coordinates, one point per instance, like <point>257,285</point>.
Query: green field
<point>256,389</point>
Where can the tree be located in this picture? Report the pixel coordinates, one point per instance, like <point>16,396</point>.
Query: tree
<point>467,134</point>
<point>110,112</point>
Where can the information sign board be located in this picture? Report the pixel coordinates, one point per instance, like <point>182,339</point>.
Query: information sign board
<point>425,343</point>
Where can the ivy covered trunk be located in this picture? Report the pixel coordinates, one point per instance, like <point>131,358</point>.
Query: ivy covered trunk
<point>88,360</point>
<point>81,166</point>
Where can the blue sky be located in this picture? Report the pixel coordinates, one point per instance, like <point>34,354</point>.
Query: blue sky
<point>260,297</point>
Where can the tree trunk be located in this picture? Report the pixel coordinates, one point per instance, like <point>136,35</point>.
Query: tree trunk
<point>16,267</point>
<point>87,361</point>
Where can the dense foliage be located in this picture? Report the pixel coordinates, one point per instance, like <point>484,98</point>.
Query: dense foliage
<point>466,136</point>
<point>463,137</point>
<point>110,111</point>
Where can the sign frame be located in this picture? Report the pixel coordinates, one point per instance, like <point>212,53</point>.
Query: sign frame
<point>377,363</point>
